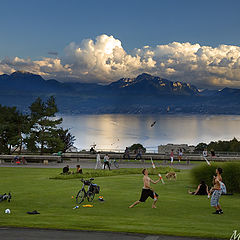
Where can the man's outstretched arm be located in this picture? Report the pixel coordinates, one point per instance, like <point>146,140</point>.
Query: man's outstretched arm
<point>154,182</point>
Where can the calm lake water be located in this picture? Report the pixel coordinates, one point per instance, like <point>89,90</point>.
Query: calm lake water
<point>112,131</point>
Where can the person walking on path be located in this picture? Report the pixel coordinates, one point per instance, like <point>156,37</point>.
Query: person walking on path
<point>171,157</point>
<point>139,154</point>
<point>147,191</point>
<point>98,161</point>
<point>106,162</point>
<point>180,153</point>
<point>205,153</point>
<point>212,154</point>
<point>126,154</point>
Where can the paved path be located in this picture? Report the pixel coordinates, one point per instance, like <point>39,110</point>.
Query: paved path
<point>49,234</point>
<point>91,164</point>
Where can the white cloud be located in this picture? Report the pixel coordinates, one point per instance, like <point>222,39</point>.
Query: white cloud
<point>105,60</point>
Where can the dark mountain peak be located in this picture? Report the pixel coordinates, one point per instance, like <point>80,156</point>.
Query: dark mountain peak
<point>148,77</point>
<point>24,74</point>
<point>148,84</point>
<point>144,76</point>
<point>21,73</point>
<point>4,77</point>
<point>228,90</point>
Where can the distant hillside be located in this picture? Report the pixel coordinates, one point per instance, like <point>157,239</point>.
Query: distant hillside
<point>149,85</point>
<point>143,94</point>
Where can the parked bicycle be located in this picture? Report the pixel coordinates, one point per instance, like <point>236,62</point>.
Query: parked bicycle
<point>90,193</point>
<point>114,162</point>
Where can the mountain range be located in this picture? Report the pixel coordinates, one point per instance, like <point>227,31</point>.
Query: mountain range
<point>143,94</point>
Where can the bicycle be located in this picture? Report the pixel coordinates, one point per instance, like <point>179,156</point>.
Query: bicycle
<point>90,193</point>
<point>115,163</point>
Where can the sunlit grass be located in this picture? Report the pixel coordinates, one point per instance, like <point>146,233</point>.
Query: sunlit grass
<point>177,214</point>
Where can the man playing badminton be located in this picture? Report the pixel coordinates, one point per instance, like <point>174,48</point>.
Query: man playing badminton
<point>147,191</point>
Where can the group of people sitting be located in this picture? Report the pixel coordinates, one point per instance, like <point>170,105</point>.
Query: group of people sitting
<point>66,170</point>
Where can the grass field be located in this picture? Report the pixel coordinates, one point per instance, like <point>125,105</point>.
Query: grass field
<point>177,214</point>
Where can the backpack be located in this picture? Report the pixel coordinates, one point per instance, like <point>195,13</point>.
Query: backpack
<point>223,188</point>
<point>95,188</point>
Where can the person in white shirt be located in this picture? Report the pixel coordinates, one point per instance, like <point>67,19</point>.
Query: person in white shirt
<point>205,153</point>
<point>106,162</point>
<point>98,161</point>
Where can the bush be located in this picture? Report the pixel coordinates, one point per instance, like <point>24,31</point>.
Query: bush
<point>90,173</point>
<point>230,175</point>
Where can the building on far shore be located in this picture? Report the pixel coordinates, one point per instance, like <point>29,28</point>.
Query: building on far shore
<point>163,149</point>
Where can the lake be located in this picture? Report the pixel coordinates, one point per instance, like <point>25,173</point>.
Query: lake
<point>116,131</point>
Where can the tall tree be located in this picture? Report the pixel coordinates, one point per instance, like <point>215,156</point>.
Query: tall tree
<point>44,132</point>
<point>13,126</point>
<point>67,138</point>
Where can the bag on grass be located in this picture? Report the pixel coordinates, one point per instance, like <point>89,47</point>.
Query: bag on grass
<point>5,196</point>
<point>95,188</point>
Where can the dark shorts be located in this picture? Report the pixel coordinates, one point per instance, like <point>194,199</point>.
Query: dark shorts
<point>147,193</point>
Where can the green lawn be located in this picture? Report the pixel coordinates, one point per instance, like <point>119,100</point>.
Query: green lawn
<point>177,214</point>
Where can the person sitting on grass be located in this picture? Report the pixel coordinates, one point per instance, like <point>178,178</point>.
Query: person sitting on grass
<point>147,191</point>
<point>79,170</point>
<point>66,170</point>
<point>202,189</point>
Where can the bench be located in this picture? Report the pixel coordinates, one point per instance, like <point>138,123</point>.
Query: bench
<point>45,159</point>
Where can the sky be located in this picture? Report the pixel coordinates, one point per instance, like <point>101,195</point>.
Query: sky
<point>101,41</point>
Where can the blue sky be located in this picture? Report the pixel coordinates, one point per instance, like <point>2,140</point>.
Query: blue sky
<point>29,29</point>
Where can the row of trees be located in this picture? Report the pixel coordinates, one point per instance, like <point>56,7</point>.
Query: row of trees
<point>221,146</point>
<point>38,131</point>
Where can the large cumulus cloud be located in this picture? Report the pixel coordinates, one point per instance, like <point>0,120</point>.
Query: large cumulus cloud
<point>105,60</point>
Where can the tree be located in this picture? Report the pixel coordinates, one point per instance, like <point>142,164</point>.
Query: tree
<point>44,130</point>
<point>67,138</point>
<point>13,126</point>
<point>137,146</point>
<point>201,147</point>
<point>221,146</point>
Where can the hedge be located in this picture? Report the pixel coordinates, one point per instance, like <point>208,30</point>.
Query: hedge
<point>230,175</point>
<point>88,173</point>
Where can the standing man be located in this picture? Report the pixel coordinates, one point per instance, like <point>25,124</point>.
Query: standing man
<point>98,161</point>
<point>180,153</point>
<point>212,154</point>
<point>205,153</point>
<point>171,157</point>
<point>216,191</point>
<point>126,154</point>
<point>139,154</point>
<point>106,161</point>
<point>147,191</point>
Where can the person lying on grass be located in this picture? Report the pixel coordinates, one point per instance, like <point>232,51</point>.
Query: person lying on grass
<point>147,191</point>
